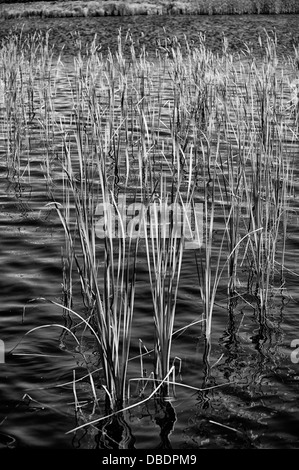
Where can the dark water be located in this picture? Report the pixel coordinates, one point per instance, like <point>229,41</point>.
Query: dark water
<point>255,383</point>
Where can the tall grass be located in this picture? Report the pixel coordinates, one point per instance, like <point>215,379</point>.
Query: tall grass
<point>89,8</point>
<point>241,129</point>
<point>28,76</point>
<point>144,144</point>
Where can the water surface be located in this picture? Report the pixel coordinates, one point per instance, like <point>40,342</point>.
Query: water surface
<point>255,392</point>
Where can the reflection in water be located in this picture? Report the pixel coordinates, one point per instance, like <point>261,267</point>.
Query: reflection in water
<point>244,414</point>
<point>7,441</point>
<point>264,341</point>
<point>165,417</point>
<point>115,434</point>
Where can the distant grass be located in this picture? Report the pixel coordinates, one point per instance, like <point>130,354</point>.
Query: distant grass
<point>81,8</point>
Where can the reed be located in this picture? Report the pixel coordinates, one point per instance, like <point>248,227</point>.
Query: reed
<point>164,250</point>
<point>269,187</point>
<point>111,308</point>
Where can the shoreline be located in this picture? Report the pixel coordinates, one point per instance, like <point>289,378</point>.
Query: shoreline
<point>92,8</point>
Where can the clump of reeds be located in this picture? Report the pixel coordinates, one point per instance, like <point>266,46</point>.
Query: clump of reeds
<point>245,176</point>
<point>145,145</point>
<point>112,112</point>
<point>28,89</point>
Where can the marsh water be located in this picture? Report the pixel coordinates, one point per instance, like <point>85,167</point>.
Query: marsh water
<point>249,396</point>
